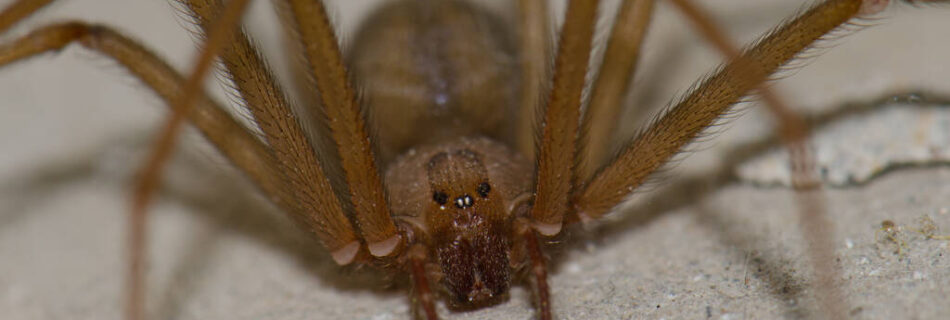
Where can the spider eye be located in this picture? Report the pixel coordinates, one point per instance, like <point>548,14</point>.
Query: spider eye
<point>440,197</point>
<point>483,189</point>
<point>464,201</point>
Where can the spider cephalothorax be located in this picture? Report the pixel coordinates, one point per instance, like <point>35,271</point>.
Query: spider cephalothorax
<point>459,197</point>
<point>471,236</point>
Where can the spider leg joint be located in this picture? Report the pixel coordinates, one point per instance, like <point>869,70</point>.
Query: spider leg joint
<point>346,254</point>
<point>385,247</point>
<point>870,7</point>
<point>547,229</point>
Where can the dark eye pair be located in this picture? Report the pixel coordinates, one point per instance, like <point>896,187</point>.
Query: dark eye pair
<point>483,189</point>
<point>465,201</point>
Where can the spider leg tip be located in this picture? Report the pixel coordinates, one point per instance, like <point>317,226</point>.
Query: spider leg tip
<point>385,247</point>
<point>346,254</point>
<point>548,229</point>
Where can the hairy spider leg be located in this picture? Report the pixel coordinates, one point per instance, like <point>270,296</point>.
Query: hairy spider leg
<point>559,129</point>
<point>794,133</point>
<point>150,173</point>
<point>535,54</point>
<point>320,208</point>
<point>613,79</point>
<point>347,126</point>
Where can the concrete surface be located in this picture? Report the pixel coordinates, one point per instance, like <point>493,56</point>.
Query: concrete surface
<point>73,127</point>
<point>855,149</point>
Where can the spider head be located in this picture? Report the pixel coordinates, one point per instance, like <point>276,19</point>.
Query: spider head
<point>471,238</point>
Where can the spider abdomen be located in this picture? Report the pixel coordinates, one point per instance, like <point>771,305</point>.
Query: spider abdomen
<point>434,71</point>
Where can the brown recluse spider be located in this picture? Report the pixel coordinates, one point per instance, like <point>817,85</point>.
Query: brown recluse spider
<point>500,193</point>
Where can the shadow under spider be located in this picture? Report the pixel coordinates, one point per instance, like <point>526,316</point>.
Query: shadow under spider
<point>690,191</point>
<point>770,266</point>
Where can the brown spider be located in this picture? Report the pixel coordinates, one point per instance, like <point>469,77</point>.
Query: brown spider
<point>477,189</point>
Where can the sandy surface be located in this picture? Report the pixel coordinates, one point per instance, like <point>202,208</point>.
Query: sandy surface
<point>73,127</point>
